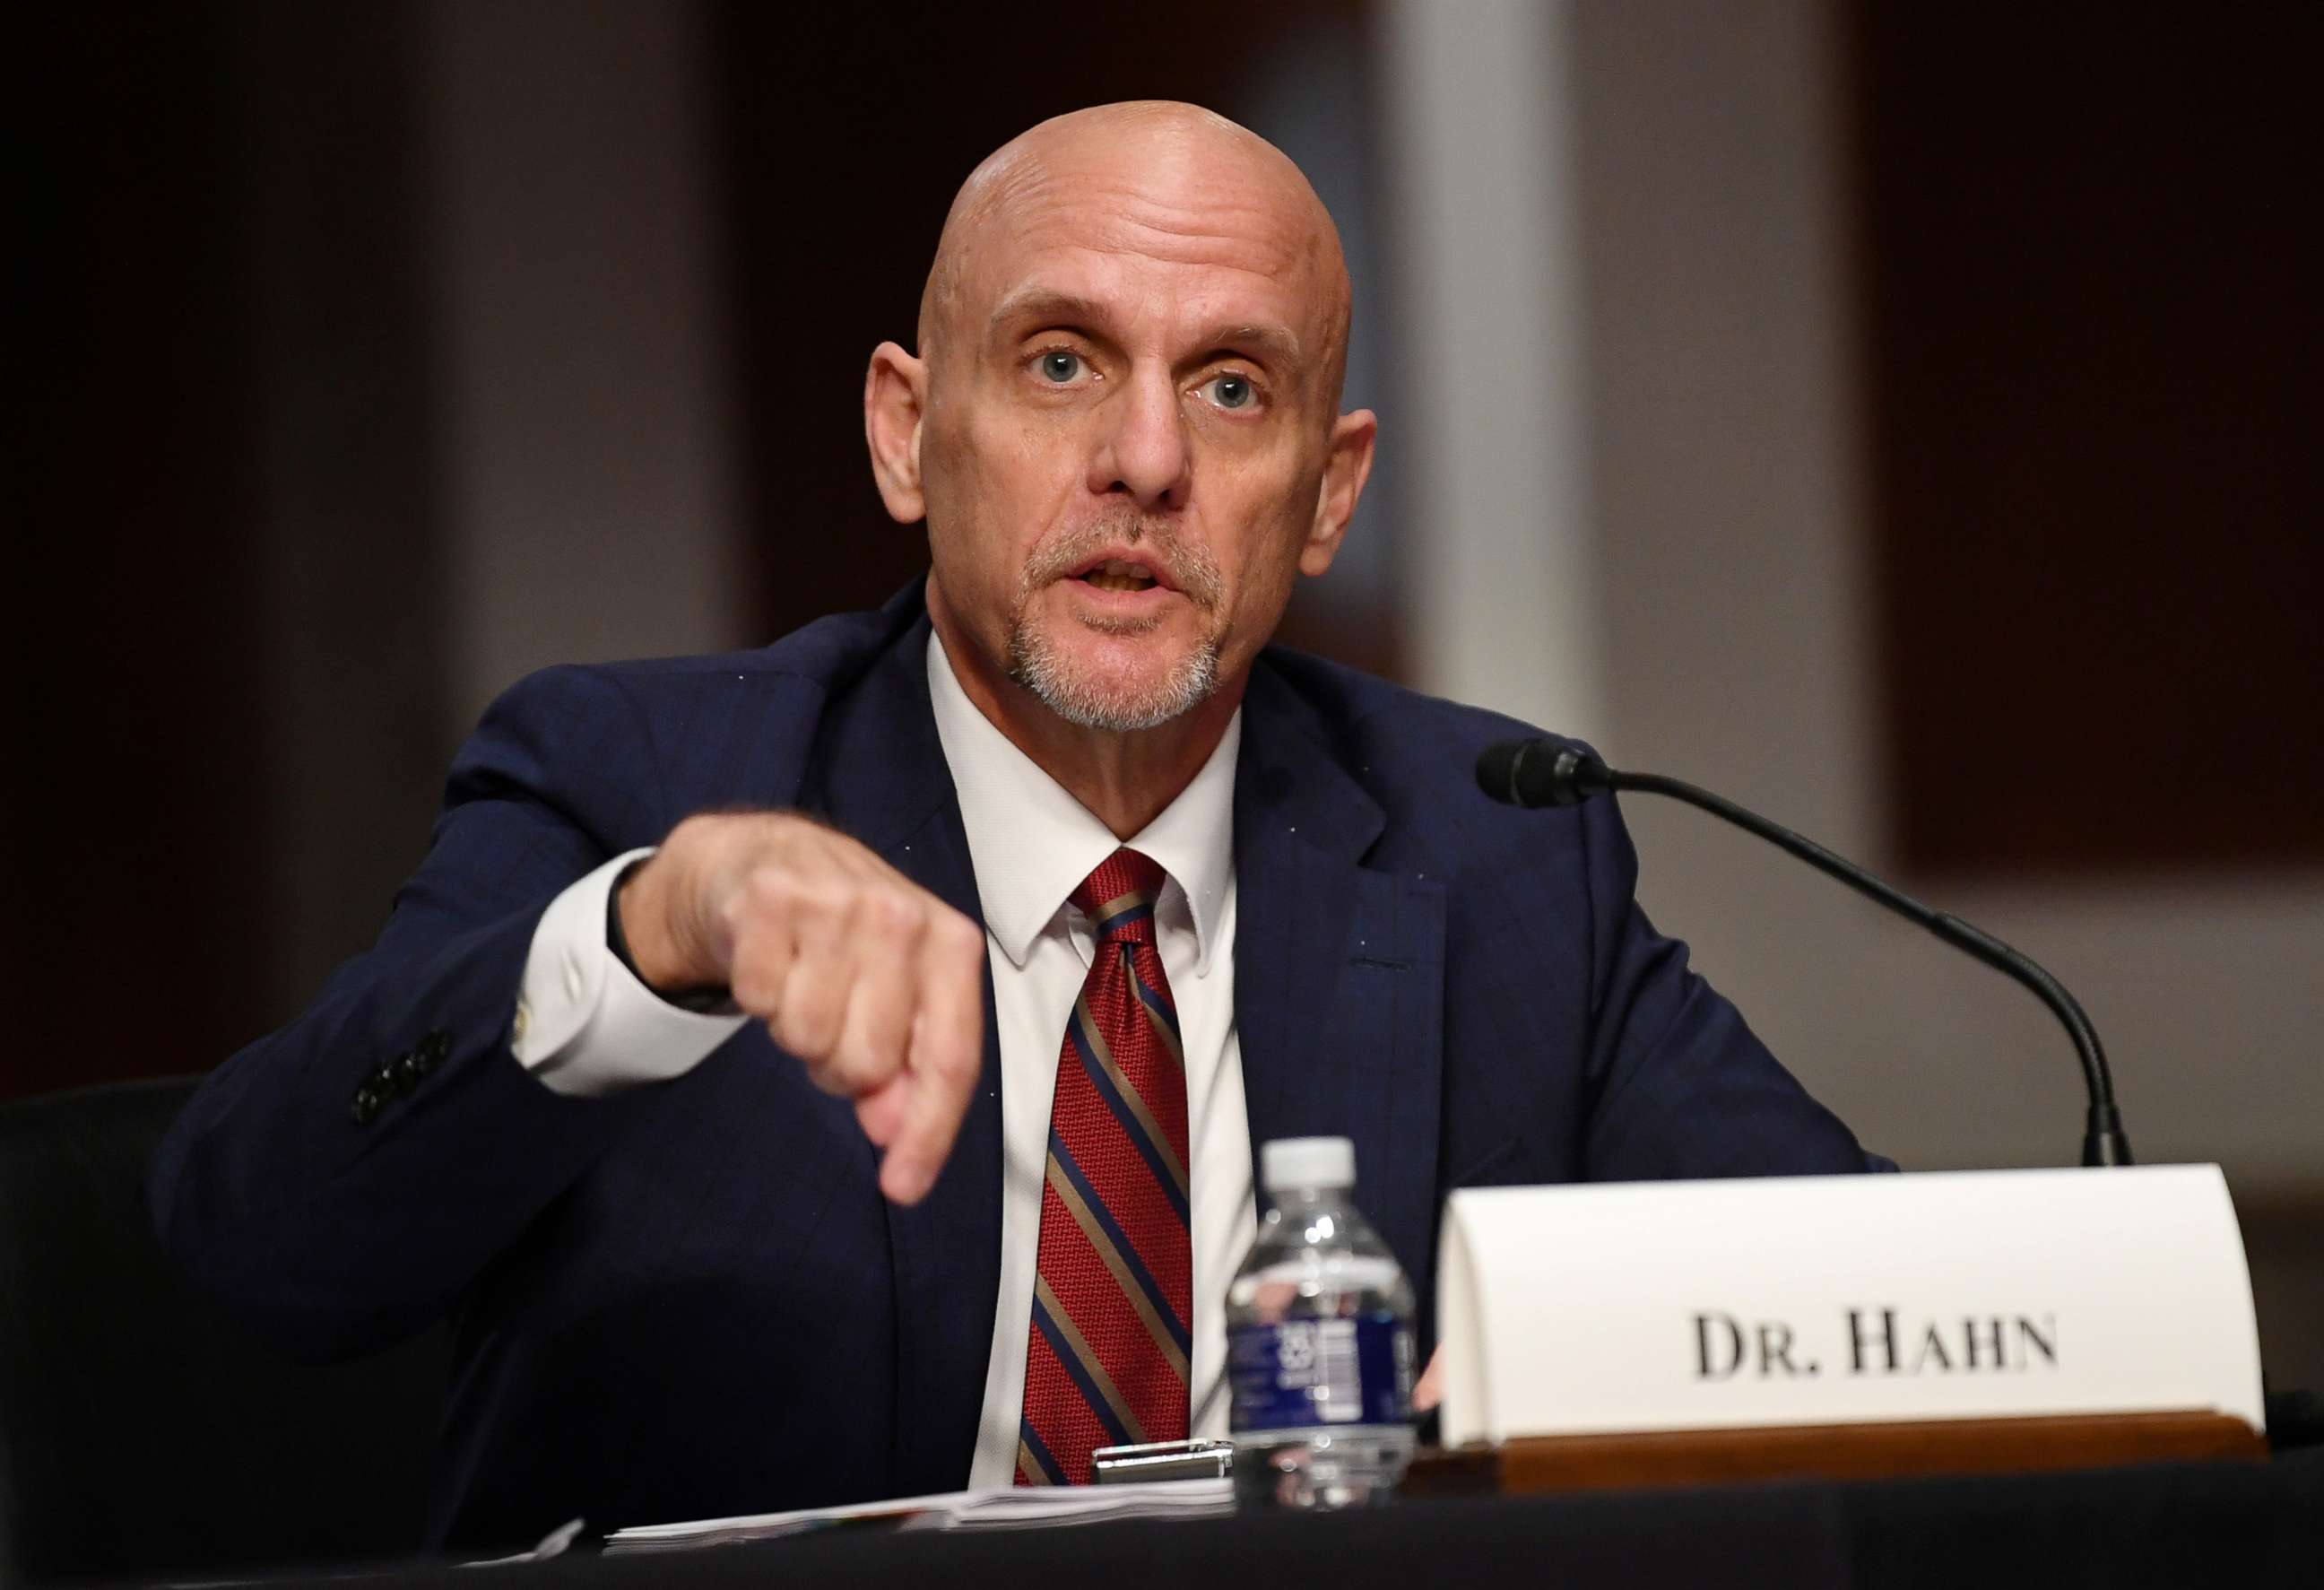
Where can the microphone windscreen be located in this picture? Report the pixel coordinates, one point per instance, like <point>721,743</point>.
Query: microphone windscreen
<point>1496,771</point>
<point>1533,773</point>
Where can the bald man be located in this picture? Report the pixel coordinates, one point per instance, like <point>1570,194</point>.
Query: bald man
<point>834,1071</point>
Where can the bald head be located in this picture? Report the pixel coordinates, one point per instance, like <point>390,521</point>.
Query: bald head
<point>1122,430</point>
<point>1146,176</point>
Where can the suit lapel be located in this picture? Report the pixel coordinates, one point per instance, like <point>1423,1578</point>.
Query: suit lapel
<point>1339,972</point>
<point>885,781</point>
<point>1339,985</point>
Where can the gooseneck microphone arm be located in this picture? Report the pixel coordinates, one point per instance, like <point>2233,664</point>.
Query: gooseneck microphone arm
<point>1543,772</point>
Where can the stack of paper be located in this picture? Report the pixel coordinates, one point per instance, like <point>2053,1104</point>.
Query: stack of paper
<point>1017,1508</point>
<point>1033,1506</point>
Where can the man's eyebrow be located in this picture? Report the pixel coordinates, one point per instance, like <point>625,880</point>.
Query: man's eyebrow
<point>1048,306</point>
<point>1045,304</point>
<point>1271,345</point>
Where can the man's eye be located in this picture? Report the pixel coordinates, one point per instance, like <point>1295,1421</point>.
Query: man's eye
<point>1231,392</point>
<point>1060,367</point>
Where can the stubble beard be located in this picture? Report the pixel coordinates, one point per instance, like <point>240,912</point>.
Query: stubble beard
<point>1072,689</point>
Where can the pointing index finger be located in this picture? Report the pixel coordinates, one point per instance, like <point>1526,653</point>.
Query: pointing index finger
<point>945,1057</point>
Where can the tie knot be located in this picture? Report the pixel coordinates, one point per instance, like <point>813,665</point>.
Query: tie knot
<point>1117,897</point>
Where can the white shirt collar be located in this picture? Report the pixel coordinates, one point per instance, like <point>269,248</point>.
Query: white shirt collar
<point>1031,843</point>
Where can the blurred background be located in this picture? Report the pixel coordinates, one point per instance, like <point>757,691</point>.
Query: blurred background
<point>1899,417</point>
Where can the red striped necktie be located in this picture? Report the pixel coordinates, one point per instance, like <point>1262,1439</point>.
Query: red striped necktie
<point>1106,1359</point>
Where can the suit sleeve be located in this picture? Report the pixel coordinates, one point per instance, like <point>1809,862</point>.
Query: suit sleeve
<point>339,1182</point>
<point>1682,1087</point>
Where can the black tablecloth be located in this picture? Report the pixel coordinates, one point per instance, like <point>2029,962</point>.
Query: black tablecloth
<point>2175,1524</point>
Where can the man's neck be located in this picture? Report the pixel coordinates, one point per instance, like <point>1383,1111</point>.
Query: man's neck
<point>1125,778</point>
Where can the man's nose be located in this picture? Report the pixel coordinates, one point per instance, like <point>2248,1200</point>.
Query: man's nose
<point>1143,453</point>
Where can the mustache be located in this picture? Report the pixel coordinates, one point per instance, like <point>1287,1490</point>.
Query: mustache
<point>1188,567</point>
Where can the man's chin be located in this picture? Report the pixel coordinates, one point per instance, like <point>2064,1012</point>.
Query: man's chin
<point>1104,678</point>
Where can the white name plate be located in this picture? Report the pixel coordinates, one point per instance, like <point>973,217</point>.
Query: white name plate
<point>1841,1300</point>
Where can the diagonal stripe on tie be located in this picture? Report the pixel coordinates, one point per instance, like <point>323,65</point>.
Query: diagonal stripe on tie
<point>1164,1020</point>
<point>1145,1297</point>
<point>1080,1362</point>
<point>1034,1467</point>
<point>1065,1429</point>
<point>1149,1249</point>
<point>1146,1134</point>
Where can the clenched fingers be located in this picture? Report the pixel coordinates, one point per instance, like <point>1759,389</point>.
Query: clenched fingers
<point>876,987</point>
<point>885,932</point>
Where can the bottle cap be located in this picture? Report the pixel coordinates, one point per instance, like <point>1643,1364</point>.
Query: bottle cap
<point>1291,1162</point>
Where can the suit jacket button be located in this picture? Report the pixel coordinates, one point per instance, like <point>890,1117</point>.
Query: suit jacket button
<point>366,1106</point>
<point>434,1049</point>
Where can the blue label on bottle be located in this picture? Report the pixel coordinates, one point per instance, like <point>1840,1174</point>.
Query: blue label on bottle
<point>1302,1373</point>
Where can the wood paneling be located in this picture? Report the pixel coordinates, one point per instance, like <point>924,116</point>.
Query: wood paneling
<point>2090,284</point>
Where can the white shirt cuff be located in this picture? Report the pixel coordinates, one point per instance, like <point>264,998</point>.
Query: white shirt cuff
<point>585,1025</point>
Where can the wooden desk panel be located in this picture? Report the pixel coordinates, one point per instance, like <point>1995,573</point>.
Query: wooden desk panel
<point>1646,1459</point>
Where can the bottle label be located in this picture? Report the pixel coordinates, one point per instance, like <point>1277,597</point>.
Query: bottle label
<point>1301,1373</point>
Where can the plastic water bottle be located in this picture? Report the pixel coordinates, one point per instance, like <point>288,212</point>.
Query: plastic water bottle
<point>1319,1341</point>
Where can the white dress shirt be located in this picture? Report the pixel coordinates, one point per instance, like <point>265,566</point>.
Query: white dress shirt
<point>586,1025</point>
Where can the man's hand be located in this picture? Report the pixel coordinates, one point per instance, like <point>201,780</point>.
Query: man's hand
<point>874,983</point>
<point>1429,1391</point>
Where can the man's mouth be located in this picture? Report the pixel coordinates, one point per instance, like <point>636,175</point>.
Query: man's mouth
<point>1118,573</point>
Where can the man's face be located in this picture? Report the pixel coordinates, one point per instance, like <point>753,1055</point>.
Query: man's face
<point>1129,410</point>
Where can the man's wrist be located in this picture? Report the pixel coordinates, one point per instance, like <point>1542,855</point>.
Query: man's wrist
<point>687,993</point>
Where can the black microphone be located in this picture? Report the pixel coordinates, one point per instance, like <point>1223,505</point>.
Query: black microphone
<point>1545,773</point>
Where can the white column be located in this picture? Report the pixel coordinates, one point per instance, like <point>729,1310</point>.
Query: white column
<point>1500,543</point>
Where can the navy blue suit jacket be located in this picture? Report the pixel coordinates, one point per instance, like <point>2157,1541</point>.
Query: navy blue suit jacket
<point>690,1299</point>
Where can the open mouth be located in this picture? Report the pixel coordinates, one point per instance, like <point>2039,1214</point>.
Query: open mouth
<point>1115,575</point>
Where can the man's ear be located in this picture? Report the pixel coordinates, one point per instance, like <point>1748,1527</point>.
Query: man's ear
<point>895,400</point>
<point>1345,469</point>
